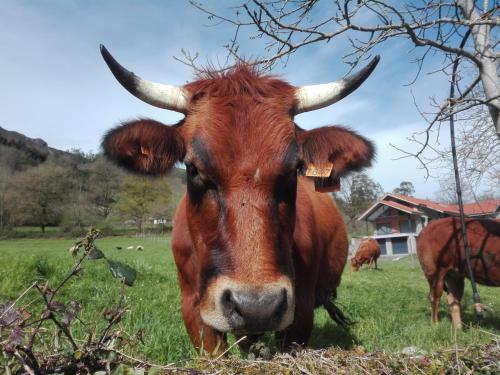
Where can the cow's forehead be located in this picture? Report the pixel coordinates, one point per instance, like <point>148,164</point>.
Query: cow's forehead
<point>241,133</point>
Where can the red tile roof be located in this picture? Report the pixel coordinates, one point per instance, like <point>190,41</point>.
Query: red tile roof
<point>482,207</point>
<point>410,204</point>
<point>401,207</point>
<point>490,205</point>
<point>441,207</point>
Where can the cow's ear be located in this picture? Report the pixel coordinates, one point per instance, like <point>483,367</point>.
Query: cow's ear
<point>144,146</point>
<point>334,148</point>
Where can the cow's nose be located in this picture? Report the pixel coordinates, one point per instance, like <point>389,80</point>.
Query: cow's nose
<point>252,312</point>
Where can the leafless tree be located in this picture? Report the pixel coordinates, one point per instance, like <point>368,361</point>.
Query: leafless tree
<point>431,27</point>
<point>478,154</point>
<point>447,192</point>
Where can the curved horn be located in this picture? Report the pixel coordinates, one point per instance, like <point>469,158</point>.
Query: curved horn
<point>163,96</point>
<point>314,97</point>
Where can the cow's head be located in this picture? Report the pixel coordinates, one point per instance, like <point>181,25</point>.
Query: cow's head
<point>355,264</point>
<point>243,153</point>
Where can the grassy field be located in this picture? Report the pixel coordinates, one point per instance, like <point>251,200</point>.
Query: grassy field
<point>389,305</point>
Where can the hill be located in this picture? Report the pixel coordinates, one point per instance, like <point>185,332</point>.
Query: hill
<point>19,153</point>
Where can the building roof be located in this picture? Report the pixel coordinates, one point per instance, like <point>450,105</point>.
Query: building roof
<point>401,207</point>
<point>414,205</point>
<point>436,206</point>
<point>482,207</point>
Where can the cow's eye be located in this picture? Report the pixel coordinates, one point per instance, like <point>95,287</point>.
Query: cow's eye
<point>301,166</point>
<point>191,170</point>
<point>198,185</point>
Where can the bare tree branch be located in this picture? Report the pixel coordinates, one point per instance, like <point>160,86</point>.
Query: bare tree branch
<point>435,26</point>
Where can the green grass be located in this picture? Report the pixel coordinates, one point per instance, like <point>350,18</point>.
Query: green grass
<point>26,228</point>
<point>154,298</point>
<point>392,311</point>
<point>389,305</point>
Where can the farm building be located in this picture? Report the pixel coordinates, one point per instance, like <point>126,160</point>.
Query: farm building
<point>398,219</point>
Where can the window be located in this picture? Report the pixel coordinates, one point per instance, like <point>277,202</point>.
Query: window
<point>399,245</point>
<point>384,228</point>
<point>383,248</point>
<point>406,226</point>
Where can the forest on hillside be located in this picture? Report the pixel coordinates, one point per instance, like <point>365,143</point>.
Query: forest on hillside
<point>43,187</point>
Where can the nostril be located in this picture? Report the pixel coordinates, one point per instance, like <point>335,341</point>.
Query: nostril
<point>231,309</point>
<point>227,297</point>
<point>277,314</point>
<point>284,298</point>
<point>283,293</point>
<point>281,307</point>
<point>230,304</point>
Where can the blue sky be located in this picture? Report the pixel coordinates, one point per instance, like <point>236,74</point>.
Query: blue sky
<point>55,85</point>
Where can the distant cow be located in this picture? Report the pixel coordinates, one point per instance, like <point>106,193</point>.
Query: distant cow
<point>368,252</point>
<point>442,257</point>
<point>256,247</point>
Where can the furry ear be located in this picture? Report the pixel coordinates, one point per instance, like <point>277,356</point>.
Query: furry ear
<point>335,149</point>
<point>144,146</point>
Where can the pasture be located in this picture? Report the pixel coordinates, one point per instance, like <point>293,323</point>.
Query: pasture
<point>389,305</point>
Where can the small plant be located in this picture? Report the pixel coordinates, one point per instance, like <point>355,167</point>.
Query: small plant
<point>35,342</point>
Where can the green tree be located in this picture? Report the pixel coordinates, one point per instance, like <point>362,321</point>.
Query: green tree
<point>78,213</point>
<point>96,183</point>
<point>4,185</point>
<point>358,191</point>
<point>141,197</point>
<point>405,188</point>
<point>39,195</point>
<point>104,183</point>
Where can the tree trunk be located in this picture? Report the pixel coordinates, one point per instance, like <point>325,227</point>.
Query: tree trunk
<point>2,214</point>
<point>488,70</point>
<point>140,225</point>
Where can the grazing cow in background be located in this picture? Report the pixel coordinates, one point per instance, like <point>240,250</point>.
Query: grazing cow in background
<point>368,252</point>
<point>442,257</point>
<point>256,247</point>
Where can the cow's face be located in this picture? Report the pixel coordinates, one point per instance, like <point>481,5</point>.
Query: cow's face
<point>242,163</point>
<point>243,154</point>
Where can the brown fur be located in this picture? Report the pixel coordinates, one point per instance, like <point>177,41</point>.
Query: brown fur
<point>319,256</point>
<point>247,217</point>
<point>368,252</point>
<point>442,257</point>
<point>140,146</point>
<point>347,150</point>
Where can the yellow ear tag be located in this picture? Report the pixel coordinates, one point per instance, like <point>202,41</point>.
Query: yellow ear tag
<point>324,170</point>
<point>144,151</point>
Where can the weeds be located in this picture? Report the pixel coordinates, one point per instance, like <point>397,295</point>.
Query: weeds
<point>37,337</point>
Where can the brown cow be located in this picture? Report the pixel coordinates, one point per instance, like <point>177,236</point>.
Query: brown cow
<point>442,257</point>
<point>368,252</point>
<point>256,248</point>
